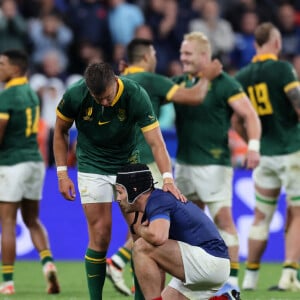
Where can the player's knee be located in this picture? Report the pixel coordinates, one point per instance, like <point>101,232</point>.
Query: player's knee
<point>230,239</point>
<point>260,229</point>
<point>140,246</point>
<point>259,232</point>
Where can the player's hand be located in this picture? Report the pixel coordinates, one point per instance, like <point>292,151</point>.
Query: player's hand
<point>212,70</point>
<point>169,186</point>
<point>67,188</point>
<point>252,159</point>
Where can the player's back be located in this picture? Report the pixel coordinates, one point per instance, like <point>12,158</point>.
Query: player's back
<point>266,82</point>
<point>21,105</point>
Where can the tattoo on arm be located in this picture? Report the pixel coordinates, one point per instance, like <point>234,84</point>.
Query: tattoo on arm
<point>294,97</point>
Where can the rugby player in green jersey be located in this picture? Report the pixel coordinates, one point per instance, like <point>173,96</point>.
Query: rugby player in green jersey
<point>106,110</point>
<point>274,91</point>
<point>22,169</point>
<point>202,170</point>
<point>141,57</point>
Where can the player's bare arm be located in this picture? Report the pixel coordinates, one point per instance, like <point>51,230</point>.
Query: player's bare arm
<point>155,232</point>
<point>3,124</point>
<point>294,96</point>
<point>237,123</point>
<point>155,141</point>
<point>243,108</point>
<point>196,94</point>
<point>60,147</point>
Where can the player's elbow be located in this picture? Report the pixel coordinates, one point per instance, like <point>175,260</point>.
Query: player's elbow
<point>159,239</point>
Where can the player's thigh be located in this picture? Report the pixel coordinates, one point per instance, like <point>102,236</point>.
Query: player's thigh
<point>183,181</point>
<point>211,183</point>
<point>15,183</point>
<point>34,182</point>
<point>268,174</point>
<point>96,188</point>
<point>204,273</point>
<point>202,268</point>
<point>96,193</point>
<point>292,178</point>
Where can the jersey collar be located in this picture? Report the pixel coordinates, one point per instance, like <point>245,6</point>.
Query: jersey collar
<point>263,57</point>
<point>120,91</point>
<point>133,69</point>
<point>16,81</point>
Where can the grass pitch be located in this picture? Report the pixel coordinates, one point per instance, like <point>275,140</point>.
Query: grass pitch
<point>30,283</point>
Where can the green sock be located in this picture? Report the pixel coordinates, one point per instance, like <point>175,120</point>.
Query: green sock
<point>122,257</point>
<point>46,256</point>
<point>138,295</point>
<point>7,272</point>
<point>95,266</point>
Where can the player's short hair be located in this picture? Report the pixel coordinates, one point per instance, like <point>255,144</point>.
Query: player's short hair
<point>18,58</point>
<point>98,76</point>
<point>263,33</point>
<point>200,38</point>
<point>137,48</point>
<point>136,179</point>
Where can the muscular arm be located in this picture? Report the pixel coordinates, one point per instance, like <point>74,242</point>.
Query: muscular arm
<point>197,93</point>
<point>245,114</point>
<point>3,125</point>
<point>60,147</point>
<point>244,110</point>
<point>155,140</point>
<point>237,123</point>
<point>294,97</point>
<point>155,233</point>
<point>191,96</point>
<point>161,156</point>
<point>60,141</point>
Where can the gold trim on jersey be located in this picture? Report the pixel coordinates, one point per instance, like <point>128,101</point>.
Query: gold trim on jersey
<point>4,116</point>
<point>16,81</point>
<point>133,69</point>
<point>60,115</point>
<point>291,85</point>
<point>172,91</point>
<point>150,127</point>
<point>120,91</point>
<point>236,97</point>
<point>263,57</point>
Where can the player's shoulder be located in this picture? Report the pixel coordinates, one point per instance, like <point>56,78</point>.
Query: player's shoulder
<point>77,89</point>
<point>225,79</point>
<point>132,89</point>
<point>163,197</point>
<point>285,65</point>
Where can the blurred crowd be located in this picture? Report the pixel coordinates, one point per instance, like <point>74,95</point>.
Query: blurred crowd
<point>63,36</point>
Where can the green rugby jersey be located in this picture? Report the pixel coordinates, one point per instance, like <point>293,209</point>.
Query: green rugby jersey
<point>160,89</point>
<point>19,104</point>
<point>202,130</point>
<point>107,135</point>
<point>266,81</point>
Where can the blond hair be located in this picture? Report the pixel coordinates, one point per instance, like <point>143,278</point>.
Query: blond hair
<point>200,39</point>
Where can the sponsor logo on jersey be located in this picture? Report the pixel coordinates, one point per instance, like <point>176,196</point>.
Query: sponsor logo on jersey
<point>103,123</point>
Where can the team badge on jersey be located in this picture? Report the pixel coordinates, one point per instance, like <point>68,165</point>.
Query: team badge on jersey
<point>216,153</point>
<point>88,114</point>
<point>152,118</point>
<point>121,114</point>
